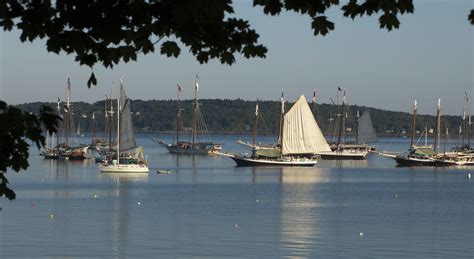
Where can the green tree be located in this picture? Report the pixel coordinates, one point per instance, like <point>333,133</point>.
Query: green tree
<point>17,127</point>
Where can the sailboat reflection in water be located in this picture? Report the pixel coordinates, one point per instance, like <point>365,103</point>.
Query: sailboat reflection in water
<point>126,161</point>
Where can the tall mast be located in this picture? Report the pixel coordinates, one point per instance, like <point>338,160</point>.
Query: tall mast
<point>196,107</point>
<point>178,113</point>
<point>357,129</point>
<point>255,126</point>
<point>466,113</point>
<point>58,108</point>
<point>118,129</point>
<point>438,126</point>
<point>446,139</point>
<point>343,119</point>
<point>68,110</point>
<point>463,125</point>
<point>93,127</point>
<point>282,113</point>
<point>111,114</point>
<point>469,130</point>
<point>413,124</point>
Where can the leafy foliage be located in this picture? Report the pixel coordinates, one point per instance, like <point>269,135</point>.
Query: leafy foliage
<point>19,126</point>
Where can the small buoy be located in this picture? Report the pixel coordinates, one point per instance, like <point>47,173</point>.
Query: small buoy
<point>51,215</point>
<point>257,200</point>
<point>361,234</point>
<point>236,226</point>
<point>139,203</point>
<point>396,195</point>
<point>469,176</point>
<point>95,196</point>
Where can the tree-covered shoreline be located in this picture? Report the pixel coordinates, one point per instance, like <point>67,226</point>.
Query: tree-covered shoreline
<point>237,116</point>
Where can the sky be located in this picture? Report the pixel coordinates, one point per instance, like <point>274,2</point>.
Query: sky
<point>431,56</point>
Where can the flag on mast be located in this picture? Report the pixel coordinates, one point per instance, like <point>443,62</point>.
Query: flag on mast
<point>178,88</point>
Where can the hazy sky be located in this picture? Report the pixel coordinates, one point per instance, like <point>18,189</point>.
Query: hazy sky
<point>430,56</point>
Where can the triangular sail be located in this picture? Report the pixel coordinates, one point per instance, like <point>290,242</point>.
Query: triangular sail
<point>366,132</point>
<point>301,133</point>
<point>127,135</point>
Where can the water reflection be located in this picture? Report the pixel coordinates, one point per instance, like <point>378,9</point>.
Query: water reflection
<point>299,204</point>
<point>123,205</point>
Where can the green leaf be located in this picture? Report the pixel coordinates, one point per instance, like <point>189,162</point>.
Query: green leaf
<point>321,25</point>
<point>389,21</point>
<point>92,80</point>
<point>170,48</point>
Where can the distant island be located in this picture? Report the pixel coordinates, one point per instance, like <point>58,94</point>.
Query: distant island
<point>236,116</point>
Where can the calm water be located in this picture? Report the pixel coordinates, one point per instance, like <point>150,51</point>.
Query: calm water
<point>210,208</point>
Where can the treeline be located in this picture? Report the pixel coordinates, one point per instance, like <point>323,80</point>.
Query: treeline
<point>237,116</point>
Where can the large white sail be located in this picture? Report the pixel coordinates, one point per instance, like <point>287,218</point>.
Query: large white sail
<point>301,133</point>
<point>127,135</point>
<point>366,133</point>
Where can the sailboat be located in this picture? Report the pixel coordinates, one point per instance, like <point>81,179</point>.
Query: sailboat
<point>419,155</point>
<point>193,147</point>
<point>365,131</point>
<point>50,151</point>
<point>341,150</point>
<point>300,139</point>
<point>125,161</point>
<point>460,155</point>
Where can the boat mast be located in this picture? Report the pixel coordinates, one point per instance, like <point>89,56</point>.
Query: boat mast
<point>357,129</point>
<point>413,124</point>
<point>313,103</point>
<point>118,129</point>
<point>438,126</point>
<point>178,112</point>
<point>343,119</point>
<point>58,108</point>
<point>93,127</point>
<point>463,125</point>
<point>446,139</point>
<point>196,107</point>
<point>255,126</point>
<point>282,113</point>
<point>111,114</point>
<point>68,106</point>
<point>466,114</point>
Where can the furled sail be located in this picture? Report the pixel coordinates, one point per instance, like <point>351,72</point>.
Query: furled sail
<point>301,133</point>
<point>366,133</point>
<point>127,135</point>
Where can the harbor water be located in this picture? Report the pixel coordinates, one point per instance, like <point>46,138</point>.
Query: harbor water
<point>207,207</point>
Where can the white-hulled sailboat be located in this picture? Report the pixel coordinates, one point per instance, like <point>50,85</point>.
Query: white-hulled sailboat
<point>300,140</point>
<point>125,162</point>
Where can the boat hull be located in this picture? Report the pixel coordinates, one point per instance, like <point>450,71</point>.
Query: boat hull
<point>243,161</point>
<point>343,155</point>
<point>123,168</point>
<point>182,150</point>
<point>410,161</point>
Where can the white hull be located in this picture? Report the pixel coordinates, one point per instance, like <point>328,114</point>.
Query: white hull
<point>123,168</point>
